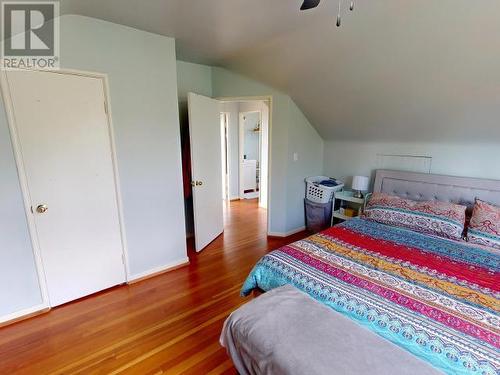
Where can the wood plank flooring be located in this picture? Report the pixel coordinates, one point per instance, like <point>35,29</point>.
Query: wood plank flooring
<point>169,324</point>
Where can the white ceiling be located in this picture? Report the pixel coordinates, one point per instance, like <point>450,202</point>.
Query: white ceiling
<point>413,70</point>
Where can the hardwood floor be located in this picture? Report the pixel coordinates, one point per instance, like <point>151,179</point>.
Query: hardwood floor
<point>169,324</point>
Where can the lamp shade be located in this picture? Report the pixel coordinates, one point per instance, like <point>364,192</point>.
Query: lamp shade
<point>360,183</point>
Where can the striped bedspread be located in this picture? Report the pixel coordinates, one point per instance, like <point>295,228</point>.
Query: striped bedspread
<point>437,298</point>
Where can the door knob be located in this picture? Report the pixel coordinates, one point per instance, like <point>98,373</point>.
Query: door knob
<point>199,183</point>
<point>41,209</point>
<point>196,183</point>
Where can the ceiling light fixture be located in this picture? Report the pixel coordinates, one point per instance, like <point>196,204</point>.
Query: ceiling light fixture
<point>311,4</point>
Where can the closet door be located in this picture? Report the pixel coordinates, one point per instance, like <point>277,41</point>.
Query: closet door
<point>64,137</point>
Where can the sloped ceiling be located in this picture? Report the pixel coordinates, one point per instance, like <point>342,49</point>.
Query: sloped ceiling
<point>413,70</point>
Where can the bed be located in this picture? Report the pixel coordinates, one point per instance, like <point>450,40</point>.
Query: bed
<point>436,298</point>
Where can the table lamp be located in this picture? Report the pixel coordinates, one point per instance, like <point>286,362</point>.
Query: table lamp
<point>359,184</point>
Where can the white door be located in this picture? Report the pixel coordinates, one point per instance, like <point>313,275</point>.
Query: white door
<point>64,138</point>
<point>204,130</point>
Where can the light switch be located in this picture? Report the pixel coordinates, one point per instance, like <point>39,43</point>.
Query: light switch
<point>295,156</point>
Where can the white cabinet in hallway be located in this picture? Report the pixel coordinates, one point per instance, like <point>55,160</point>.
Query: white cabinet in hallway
<point>249,178</point>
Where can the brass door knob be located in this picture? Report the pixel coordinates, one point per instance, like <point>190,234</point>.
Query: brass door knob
<point>41,209</point>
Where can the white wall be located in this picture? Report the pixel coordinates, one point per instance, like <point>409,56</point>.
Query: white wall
<point>348,158</point>
<point>233,110</point>
<point>142,74</point>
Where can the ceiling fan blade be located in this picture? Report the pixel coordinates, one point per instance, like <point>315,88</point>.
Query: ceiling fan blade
<point>309,4</point>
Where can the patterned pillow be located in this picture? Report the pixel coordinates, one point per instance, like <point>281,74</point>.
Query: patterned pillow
<point>484,228</point>
<point>433,217</point>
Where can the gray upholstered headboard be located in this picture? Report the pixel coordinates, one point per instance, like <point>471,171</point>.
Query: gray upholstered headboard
<point>422,186</point>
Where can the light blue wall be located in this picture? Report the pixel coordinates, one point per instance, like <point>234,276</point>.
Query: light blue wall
<point>198,79</point>
<point>141,68</point>
<point>192,78</point>
<point>348,158</point>
<point>143,80</point>
<point>19,287</point>
<point>251,138</point>
<point>290,133</point>
<point>195,78</point>
<point>304,141</point>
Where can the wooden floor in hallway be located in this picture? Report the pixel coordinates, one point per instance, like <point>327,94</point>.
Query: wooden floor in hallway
<point>169,324</point>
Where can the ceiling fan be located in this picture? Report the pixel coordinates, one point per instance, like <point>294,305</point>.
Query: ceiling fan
<point>311,4</point>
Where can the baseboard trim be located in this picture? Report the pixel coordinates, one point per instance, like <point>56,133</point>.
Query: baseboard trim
<point>158,271</point>
<point>23,315</point>
<point>250,195</point>
<point>286,234</point>
<point>42,309</point>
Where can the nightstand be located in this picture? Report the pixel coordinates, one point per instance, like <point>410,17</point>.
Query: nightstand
<point>355,203</point>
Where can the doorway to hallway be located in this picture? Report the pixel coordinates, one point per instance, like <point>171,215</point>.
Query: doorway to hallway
<point>226,159</point>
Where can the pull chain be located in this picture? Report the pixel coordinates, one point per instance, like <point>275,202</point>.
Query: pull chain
<point>339,19</point>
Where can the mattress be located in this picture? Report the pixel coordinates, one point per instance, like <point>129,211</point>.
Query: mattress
<point>435,298</point>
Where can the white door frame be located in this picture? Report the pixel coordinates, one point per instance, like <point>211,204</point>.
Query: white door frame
<point>241,146</point>
<point>9,109</point>
<point>269,99</point>
<point>225,155</point>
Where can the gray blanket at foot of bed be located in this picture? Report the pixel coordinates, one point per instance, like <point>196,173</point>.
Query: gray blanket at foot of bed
<point>285,331</point>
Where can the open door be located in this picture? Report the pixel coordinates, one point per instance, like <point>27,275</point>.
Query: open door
<point>204,131</point>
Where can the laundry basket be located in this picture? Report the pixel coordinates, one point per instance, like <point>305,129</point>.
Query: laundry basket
<point>318,215</point>
<point>315,192</point>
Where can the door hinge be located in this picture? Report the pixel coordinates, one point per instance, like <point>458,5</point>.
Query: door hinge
<point>105,108</point>
<point>123,258</point>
